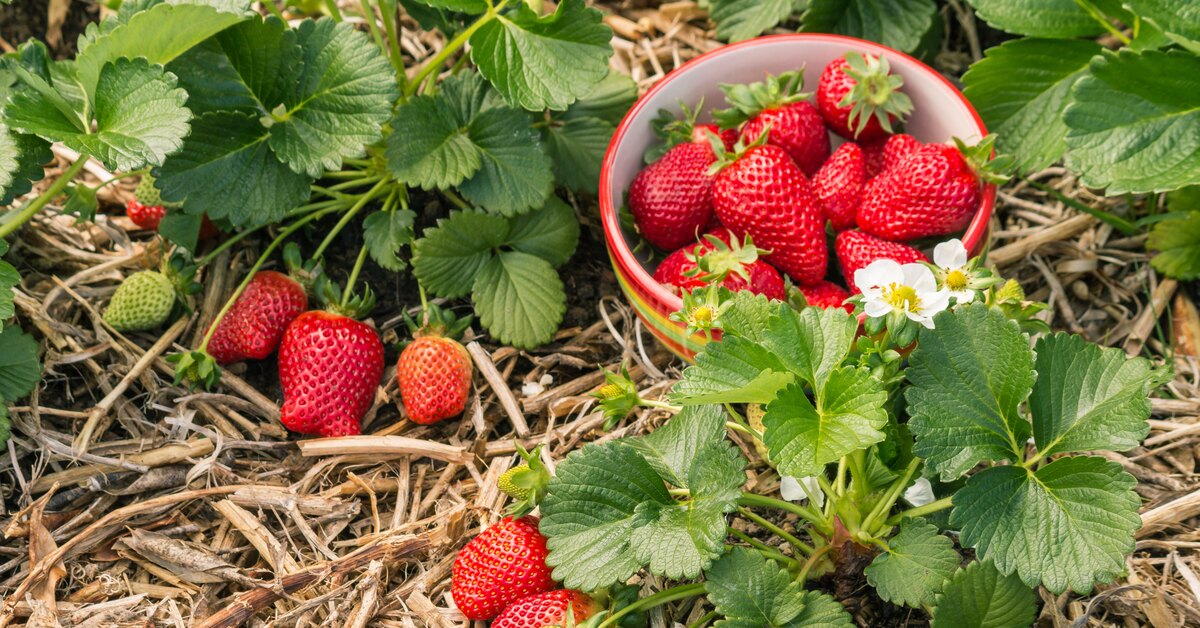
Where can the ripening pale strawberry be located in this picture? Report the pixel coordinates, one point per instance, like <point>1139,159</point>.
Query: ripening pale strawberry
<point>744,270</point>
<point>143,301</point>
<point>547,610</point>
<point>933,191</point>
<point>856,250</point>
<point>839,185</point>
<point>434,370</point>
<point>859,97</point>
<point>825,295</point>
<point>777,107</point>
<point>505,563</point>
<point>256,321</point>
<point>329,368</point>
<point>760,192</point>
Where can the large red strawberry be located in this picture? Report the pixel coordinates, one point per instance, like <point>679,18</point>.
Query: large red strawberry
<point>256,321</point>
<point>761,192</point>
<point>329,367</point>
<point>686,268</point>
<point>777,107</point>
<point>859,97</point>
<point>897,148</point>
<point>503,564</point>
<point>434,370</point>
<point>839,185</point>
<point>934,190</point>
<point>825,295</point>
<point>856,250</point>
<point>546,610</point>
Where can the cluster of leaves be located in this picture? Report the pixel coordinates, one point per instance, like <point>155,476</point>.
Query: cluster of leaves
<point>908,25</point>
<point>19,366</point>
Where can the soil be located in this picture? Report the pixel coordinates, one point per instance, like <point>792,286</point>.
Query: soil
<point>26,19</point>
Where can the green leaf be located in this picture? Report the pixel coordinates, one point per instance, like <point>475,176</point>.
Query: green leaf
<point>21,159</point>
<point>385,234</point>
<point>1179,20</point>
<point>449,257</point>
<point>344,95</point>
<point>551,233</point>
<point>159,34</point>
<point>576,148</point>
<point>19,367</point>
<point>738,20</point>
<point>896,23</point>
<point>181,228</point>
<point>544,62</point>
<point>519,299</point>
<point>749,315</point>
<point>1177,242</point>
<point>919,560</point>
<point>129,8</point>
<point>81,202</point>
<point>732,370</point>
<point>811,343</point>
<point>1038,18</point>
<point>609,100</point>
<point>751,592</point>
<point>227,170</point>
<point>848,415</point>
<point>1068,524</point>
<point>673,448</point>
<point>468,95</point>
<point>978,596</point>
<point>263,63</point>
<point>1021,88</point>
<point>5,425</point>
<point>429,147</point>
<point>210,78</point>
<point>1132,123</point>
<point>472,7</point>
<point>589,511</point>
<point>10,279</point>
<point>515,174</point>
<point>969,376</point>
<point>1089,398</point>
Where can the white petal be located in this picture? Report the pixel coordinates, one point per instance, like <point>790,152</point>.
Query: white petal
<point>934,302</point>
<point>880,272</point>
<point>920,493</point>
<point>919,277</point>
<point>964,296</point>
<point>921,319</point>
<point>950,254</point>
<point>876,308</point>
<point>792,489</point>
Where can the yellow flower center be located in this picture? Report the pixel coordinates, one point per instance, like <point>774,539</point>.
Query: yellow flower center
<point>609,391</point>
<point>956,280</point>
<point>902,297</point>
<point>703,315</point>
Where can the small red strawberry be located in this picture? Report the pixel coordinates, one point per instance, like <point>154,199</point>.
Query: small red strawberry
<point>859,97</point>
<point>503,564</point>
<point>145,216</point>
<point>934,190</point>
<point>839,185</point>
<point>760,192</point>
<point>547,610</point>
<point>856,250</point>
<point>254,324</point>
<point>434,370</point>
<point>825,295</point>
<point>147,208</point>
<point>777,107</point>
<point>719,252</point>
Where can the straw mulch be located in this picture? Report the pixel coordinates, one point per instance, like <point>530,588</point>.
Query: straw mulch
<point>128,501</point>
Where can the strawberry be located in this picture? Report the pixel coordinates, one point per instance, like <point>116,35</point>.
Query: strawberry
<point>503,564</point>
<point>695,265</point>
<point>859,97</point>
<point>897,148</point>
<point>434,370</point>
<point>856,250</point>
<point>873,155</point>
<point>143,301</point>
<point>145,216</point>
<point>839,185</point>
<point>147,208</point>
<point>826,295</point>
<point>934,190</point>
<point>760,192</point>
<point>329,368</point>
<point>777,108</point>
<point>254,324</point>
<point>546,610</point>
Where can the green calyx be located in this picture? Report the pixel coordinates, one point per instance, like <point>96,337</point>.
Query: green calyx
<point>725,158</point>
<point>195,368</point>
<point>876,92</point>
<point>143,301</point>
<point>525,483</point>
<point>355,305</point>
<point>438,322</point>
<point>717,261</point>
<point>747,101</point>
<point>618,397</point>
<point>984,162</point>
<point>674,130</point>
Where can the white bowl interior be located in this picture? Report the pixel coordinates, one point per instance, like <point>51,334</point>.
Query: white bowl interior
<point>939,112</point>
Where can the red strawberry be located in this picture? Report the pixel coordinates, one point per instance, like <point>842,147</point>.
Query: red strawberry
<point>839,185</point>
<point>826,295</point>
<point>761,193</point>
<point>897,148</point>
<point>681,271</point>
<point>329,367</point>
<point>147,208</point>
<point>255,323</point>
<point>859,97</point>
<point>873,158</point>
<point>434,370</point>
<point>546,609</point>
<point>856,250</point>
<point>505,563</point>
<point>935,190</point>
<point>145,216</point>
<point>776,107</point>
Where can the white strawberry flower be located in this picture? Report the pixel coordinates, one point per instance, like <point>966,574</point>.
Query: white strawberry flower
<point>794,490</point>
<point>954,271</point>
<point>920,493</point>
<point>910,289</point>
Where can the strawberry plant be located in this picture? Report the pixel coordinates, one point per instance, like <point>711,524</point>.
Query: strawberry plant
<point>908,25</point>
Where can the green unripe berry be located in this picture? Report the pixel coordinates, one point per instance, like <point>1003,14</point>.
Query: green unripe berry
<point>510,488</point>
<point>143,301</point>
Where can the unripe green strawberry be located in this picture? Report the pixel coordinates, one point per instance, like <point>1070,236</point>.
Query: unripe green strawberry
<point>510,488</point>
<point>143,301</point>
<point>525,483</point>
<point>148,194</point>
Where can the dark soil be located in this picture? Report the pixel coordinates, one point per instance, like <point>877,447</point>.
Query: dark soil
<point>26,19</point>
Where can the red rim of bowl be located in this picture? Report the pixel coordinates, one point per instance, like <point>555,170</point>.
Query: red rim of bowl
<point>619,248</point>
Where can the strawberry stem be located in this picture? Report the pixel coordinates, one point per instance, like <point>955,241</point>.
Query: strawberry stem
<point>665,596</point>
<point>29,211</point>
<point>920,511</point>
<point>349,215</point>
<point>358,264</point>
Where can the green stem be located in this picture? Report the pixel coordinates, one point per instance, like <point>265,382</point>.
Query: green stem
<point>858,473</point>
<point>777,531</point>
<point>665,596</point>
<point>892,494</point>
<point>765,549</point>
<point>919,511</point>
<point>1095,13</point>
<point>456,199</point>
<point>762,501</point>
<point>458,42</point>
<point>269,5</point>
<point>241,235</point>
<point>29,211</point>
<point>711,615</point>
<point>118,177</point>
<point>652,403</point>
<point>738,427</point>
<point>347,217</point>
<point>369,16</point>
<point>334,11</point>
<point>358,264</point>
<point>389,27</point>
<point>1120,224</point>
<point>812,560</point>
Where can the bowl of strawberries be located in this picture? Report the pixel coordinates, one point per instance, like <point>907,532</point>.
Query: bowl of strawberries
<point>783,164</point>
